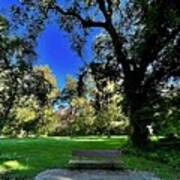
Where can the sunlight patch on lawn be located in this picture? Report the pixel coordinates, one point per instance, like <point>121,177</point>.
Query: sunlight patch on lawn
<point>12,165</point>
<point>89,140</point>
<point>156,138</point>
<point>98,138</point>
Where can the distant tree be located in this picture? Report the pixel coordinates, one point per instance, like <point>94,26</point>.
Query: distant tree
<point>79,116</point>
<point>27,93</point>
<point>84,116</point>
<point>50,80</point>
<point>32,109</point>
<point>110,118</point>
<point>11,68</point>
<point>145,40</point>
<point>70,89</point>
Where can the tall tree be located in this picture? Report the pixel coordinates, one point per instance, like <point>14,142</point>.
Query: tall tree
<point>18,79</point>
<point>11,51</point>
<point>32,110</point>
<point>145,40</point>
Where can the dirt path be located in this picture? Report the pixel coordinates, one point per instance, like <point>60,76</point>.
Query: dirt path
<point>62,174</point>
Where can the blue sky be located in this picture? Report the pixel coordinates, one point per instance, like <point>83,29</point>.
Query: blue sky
<point>53,49</point>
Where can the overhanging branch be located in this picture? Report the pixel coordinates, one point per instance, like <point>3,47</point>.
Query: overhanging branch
<point>107,25</point>
<point>107,12</point>
<point>85,22</point>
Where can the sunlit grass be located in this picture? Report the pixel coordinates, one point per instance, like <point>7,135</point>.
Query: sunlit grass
<point>24,158</point>
<point>37,154</point>
<point>13,165</point>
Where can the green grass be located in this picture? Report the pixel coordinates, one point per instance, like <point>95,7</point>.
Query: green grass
<point>24,158</point>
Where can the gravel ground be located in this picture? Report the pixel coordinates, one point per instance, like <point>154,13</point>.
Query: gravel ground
<point>62,174</point>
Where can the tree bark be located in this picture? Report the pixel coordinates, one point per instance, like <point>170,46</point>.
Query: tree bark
<point>139,134</point>
<point>136,102</point>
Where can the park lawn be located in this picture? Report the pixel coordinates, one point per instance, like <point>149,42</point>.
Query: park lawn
<point>24,158</point>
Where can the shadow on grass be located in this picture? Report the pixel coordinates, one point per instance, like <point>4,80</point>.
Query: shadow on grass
<point>164,151</point>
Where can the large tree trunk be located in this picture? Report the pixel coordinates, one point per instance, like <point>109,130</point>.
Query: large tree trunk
<point>139,133</point>
<point>136,104</point>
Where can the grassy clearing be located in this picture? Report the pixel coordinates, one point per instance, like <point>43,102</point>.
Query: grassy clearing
<point>24,158</point>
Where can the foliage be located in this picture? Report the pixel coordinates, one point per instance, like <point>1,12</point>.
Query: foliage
<point>84,116</point>
<point>70,89</point>
<point>12,68</point>
<point>110,119</point>
<point>79,115</point>
<point>167,115</point>
<point>50,81</point>
<point>139,39</point>
<point>26,93</point>
<point>31,113</point>
<point>161,150</point>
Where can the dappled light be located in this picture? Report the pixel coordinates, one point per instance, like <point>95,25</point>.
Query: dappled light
<point>13,165</point>
<point>21,159</point>
<point>102,76</point>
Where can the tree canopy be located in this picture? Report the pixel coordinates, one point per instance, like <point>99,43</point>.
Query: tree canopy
<point>138,46</point>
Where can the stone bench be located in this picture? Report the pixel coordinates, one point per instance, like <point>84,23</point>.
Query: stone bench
<point>95,159</point>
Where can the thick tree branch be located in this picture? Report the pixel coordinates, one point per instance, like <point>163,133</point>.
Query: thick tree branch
<point>107,25</point>
<point>153,54</point>
<point>161,38</point>
<point>110,8</point>
<point>165,71</point>
<point>102,7</point>
<point>160,75</point>
<point>86,23</point>
<point>106,12</point>
<point>117,40</point>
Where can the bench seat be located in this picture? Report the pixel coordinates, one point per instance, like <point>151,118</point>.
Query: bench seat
<point>102,159</point>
